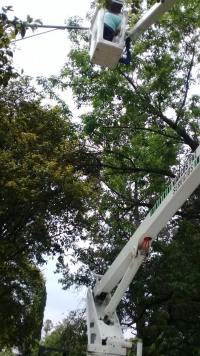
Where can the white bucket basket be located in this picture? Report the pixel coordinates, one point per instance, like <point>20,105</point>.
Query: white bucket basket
<point>103,52</point>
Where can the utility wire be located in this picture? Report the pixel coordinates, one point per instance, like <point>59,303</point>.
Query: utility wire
<point>37,34</point>
<point>63,27</point>
<point>35,26</point>
<point>47,26</point>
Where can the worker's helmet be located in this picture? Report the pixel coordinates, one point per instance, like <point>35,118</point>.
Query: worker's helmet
<point>121,2</point>
<point>116,5</point>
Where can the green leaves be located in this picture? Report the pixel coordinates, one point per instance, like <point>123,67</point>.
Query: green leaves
<point>23,299</point>
<point>141,120</point>
<point>7,8</point>
<point>48,179</point>
<point>70,334</point>
<point>9,29</point>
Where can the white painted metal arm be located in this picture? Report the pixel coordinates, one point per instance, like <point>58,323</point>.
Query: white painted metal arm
<point>104,331</point>
<point>139,347</point>
<point>171,200</point>
<point>125,282</point>
<point>152,15</point>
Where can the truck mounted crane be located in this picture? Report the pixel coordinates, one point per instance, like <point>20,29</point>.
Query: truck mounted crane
<point>105,335</point>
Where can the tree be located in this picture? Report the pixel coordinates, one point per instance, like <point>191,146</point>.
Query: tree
<point>48,325</point>
<point>47,181</point>
<point>22,303</point>
<point>6,353</point>
<point>142,119</point>
<point>47,177</point>
<point>34,322</point>
<point>70,334</point>
<point>8,31</point>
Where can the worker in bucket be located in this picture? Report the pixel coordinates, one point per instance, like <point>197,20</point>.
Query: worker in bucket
<point>112,27</point>
<point>112,21</point>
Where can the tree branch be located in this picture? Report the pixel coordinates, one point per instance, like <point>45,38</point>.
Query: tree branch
<point>140,170</point>
<point>152,110</point>
<point>180,130</point>
<point>187,88</point>
<point>130,128</point>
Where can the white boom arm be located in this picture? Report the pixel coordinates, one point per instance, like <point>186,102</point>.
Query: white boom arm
<point>153,15</point>
<point>171,200</point>
<point>104,332</point>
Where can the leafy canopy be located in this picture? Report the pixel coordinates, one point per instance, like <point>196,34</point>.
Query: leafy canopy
<point>142,119</point>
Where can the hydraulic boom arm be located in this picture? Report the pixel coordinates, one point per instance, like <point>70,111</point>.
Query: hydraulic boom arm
<point>153,15</point>
<point>104,332</point>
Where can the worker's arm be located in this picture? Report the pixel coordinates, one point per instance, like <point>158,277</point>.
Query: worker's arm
<point>117,31</point>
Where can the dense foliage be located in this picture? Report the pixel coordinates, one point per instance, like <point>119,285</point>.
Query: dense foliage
<point>48,178</point>
<point>47,182</point>
<point>143,118</point>
<point>22,286</point>
<point>22,303</point>
<point>70,334</point>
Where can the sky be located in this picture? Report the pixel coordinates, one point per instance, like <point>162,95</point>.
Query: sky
<point>45,55</point>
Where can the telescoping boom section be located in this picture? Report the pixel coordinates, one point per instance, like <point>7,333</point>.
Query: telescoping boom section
<point>104,332</point>
<point>151,16</point>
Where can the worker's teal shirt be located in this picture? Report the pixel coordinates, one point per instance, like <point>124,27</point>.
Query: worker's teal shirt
<point>112,20</point>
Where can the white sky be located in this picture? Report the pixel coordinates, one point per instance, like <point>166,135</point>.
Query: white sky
<point>45,55</point>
